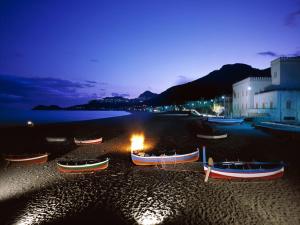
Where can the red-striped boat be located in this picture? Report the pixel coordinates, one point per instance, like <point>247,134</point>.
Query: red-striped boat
<point>242,170</point>
<point>27,159</point>
<point>144,160</point>
<point>87,141</point>
<point>82,166</point>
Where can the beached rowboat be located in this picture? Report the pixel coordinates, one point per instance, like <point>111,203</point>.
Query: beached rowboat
<point>219,136</point>
<point>164,159</point>
<point>27,159</point>
<point>82,166</point>
<point>243,170</point>
<point>56,139</point>
<point>89,141</point>
<point>279,127</point>
<point>223,120</point>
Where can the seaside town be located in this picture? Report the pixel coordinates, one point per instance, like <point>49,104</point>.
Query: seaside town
<point>149,112</point>
<point>274,98</point>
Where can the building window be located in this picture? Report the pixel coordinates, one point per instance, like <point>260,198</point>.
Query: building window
<point>271,105</point>
<point>275,74</point>
<point>289,118</point>
<point>263,105</point>
<point>246,106</point>
<point>288,104</point>
<point>256,105</point>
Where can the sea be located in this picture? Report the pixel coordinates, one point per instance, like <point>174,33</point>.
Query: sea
<point>21,117</point>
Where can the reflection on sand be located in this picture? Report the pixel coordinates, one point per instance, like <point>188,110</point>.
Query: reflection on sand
<point>151,215</point>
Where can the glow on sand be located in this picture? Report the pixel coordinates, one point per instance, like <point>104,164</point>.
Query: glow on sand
<point>150,218</point>
<point>137,142</point>
<point>152,215</point>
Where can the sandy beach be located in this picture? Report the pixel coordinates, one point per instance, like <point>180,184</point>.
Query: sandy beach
<point>128,194</point>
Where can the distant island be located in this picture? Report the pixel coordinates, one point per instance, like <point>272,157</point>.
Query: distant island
<point>214,84</point>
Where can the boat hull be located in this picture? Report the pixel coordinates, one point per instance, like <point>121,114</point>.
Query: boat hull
<point>88,142</point>
<point>165,160</point>
<point>265,175</point>
<point>227,121</point>
<point>56,139</point>
<point>38,159</point>
<point>88,168</point>
<point>212,136</point>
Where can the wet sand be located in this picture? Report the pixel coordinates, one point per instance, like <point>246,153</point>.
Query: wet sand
<point>128,194</point>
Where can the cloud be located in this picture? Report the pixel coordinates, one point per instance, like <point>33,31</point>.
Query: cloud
<point>291,19</point>
<point>182,80</point>
<point>94,60</point>
<point>274,54</point>
<point>114,94</point>
<point>268,53</point>
<point>91,82</point>
<point>96,82</point>
<point>30,91</point>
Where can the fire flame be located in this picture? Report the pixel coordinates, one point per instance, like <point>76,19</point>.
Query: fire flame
<point>137,142</point>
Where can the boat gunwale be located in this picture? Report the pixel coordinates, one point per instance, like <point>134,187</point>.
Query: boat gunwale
<point>221,136</point>
<point>166,156</point>
<point>245,171</point>
<point>25,159</point>
<point>88,141</point>
<point>85,165</point>
<point>56,139</point>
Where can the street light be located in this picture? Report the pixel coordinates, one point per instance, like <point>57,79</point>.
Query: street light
<point>249,88</point>
<point>223,97</point>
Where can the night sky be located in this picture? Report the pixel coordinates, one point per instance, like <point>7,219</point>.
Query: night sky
<point>67,52</point>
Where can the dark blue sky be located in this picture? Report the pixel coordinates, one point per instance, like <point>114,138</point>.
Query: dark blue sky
<point>71,51</point>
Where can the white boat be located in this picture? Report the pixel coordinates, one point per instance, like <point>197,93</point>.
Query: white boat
<point>56,139</point>
<point>219,136</point>
<point>279,127</point>
<point>27,159</point>
<point>224,120</point>
<point>88,141</point>
<point>143,160</point>
<point>242,170</point>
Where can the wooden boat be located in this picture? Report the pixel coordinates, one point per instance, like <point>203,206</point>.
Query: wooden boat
<point>82,166</point>
<point>144,160</point>
<point>217,136</point>
<point>56,139</point>
<point>278,127</point>
<point>27,159</point>
<point>89,141</point>
<point>224,120</point>
<point>242,170</point>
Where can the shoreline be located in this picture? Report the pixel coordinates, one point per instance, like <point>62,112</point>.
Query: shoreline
<point>18,124</point>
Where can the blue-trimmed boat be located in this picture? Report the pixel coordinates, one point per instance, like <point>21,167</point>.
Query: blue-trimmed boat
<point>242,170</point>
<point>142,159</point>
<point>224,120</point>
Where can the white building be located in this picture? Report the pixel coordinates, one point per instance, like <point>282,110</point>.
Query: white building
<point>243,93</point>
<point>277,98</point>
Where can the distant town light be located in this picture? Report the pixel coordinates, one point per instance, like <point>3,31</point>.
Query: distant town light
<point>212,100</point>
<point>30,123</point>
<point>223,97</point>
